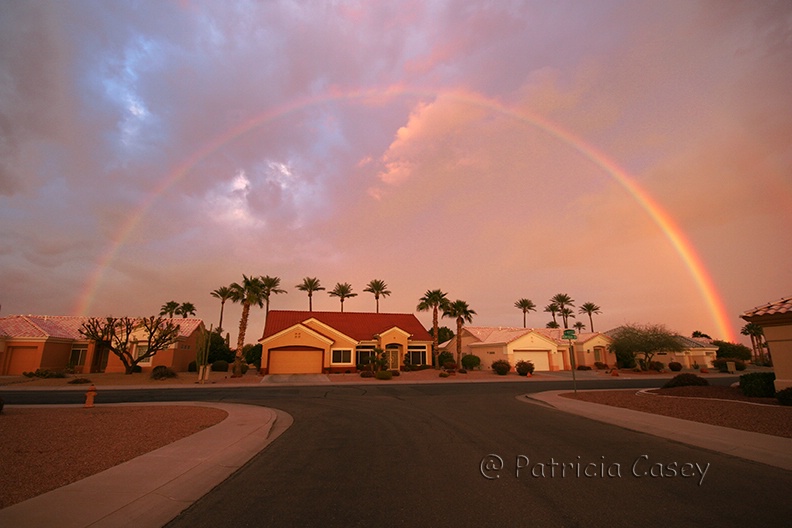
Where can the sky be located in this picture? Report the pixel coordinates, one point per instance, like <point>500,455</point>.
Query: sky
<point>634,154</point>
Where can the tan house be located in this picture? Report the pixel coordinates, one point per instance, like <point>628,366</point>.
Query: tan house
<point>775,318</point>
<point>544,347</point>
<point>296,342</point>
<point>31,342</point>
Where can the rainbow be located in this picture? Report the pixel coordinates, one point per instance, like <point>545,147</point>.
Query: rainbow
<point>656,212</point>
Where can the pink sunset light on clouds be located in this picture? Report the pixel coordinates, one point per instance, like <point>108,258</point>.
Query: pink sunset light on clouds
<point>155,151</point>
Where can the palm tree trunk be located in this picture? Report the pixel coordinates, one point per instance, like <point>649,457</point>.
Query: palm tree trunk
<point>459,341</point>
<point>436,343</point>
<point>241,340</point>
<point>525,321</point>
<point>222,307</point>
<point>591,324</point>
<point>310,302</point>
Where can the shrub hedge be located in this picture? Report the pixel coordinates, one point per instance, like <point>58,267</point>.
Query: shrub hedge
<point>524,368</point>
<point>758,384</point>
<point>685,380</point>
<point>220,365</point>
<point>501,367</point>
<point>161,372</point>
<point>785,396</point>
<point>470,362</point>
<point>675,366</point>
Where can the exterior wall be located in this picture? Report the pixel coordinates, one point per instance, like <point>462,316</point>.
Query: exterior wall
<point>22,357</point>
<point>55,355</point>
<point>538,347</point>
<point>779,342</point>
<point>489,354</point>
<point>296,337</point>
<point>586,352</point>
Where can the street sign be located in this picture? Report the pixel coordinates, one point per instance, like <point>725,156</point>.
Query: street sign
<point>569,334</point>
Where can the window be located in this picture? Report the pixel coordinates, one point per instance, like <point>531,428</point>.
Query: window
<point>363,352</point>
<point>141,351</point>
<point>342,356</point>
<point>77,357</point>
<point>416,354</point>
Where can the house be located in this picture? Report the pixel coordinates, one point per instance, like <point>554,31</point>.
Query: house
<point>696,352</point>
<point>544,347</point>
<point>31,342</point>
<point>296,342</point>
<point>775,318</point>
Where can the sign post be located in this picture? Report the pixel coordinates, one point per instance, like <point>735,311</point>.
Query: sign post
<point>570,336</point>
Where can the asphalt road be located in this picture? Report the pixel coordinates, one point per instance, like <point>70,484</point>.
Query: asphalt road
<point>419,455</point>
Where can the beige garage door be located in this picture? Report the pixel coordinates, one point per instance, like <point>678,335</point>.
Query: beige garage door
<point>295,362</point>
<point>539,358</point>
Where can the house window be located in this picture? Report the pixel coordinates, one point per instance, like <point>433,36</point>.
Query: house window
<point>77,357</point>
<point>363,352</point>
<point>416,354</point>
<point>141,351</point>
<point>342,356</point>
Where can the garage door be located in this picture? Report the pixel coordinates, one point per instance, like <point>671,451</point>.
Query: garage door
<point>295,362</point>
<point>540,358</point>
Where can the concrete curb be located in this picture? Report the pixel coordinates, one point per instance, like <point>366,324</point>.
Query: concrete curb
<point>150,490</point>
<point>771,450</point>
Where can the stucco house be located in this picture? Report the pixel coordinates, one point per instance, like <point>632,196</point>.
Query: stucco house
<point>775,318</point>
<point>297,342</point>
<point>696,352</point>
<point>544,347</point>
<point>54,342</point>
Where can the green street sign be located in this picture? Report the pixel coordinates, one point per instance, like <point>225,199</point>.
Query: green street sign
<point>569,334</point>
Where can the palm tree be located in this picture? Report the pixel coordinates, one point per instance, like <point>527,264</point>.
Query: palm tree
<point>249,292</point>
<point>185,309</point>
<point>552,308</point>
<point>579,326</point>
<point>566,314</point>
<point>310,285</point>
<point>433,300</point>
<point>755,332</point>
<point>223,293</point>
<point>169,308</point>
<point>589,308</point>
<point>552,324</point>
<point>562,300</point>
<point>270,286</point>
<point>342,291</point>
<point>462,312</point>
<point>378,288</point>
<point>525,305</point>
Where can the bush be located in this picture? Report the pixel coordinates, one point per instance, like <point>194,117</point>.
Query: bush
<point>583,367</point>
<point>79,381</point>
<point>383,375</point>
<point>192,367</point>
<point>685,380</point>
<point>656,365</point>
<point>449,365</point>
<point>253,355</point>
<point>720,364</point>
<point>462,371</point>
<point>470,362</point>
<point>758,384</point>
<point>444,374</point>
<point>501,367</point>
<point>366,374</point>
<point>161,372</point>
<point>137,369</point>
<point>600,365</point>
<point>221,365</point>
<point>524,368</point>
<point>785,396</point>
<point>444,356</point>
<point>245,368</point>
<point>675,366</point>
<point>732,350</point>
<point>395,373</point>
<point>45,373</point>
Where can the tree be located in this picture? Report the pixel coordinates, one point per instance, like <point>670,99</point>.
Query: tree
<point>185,309</point>
<point>552,324</point>
<point>120,334</point>
<point>433,300</point>
<point>699,334</point>
<point>589,308</point>
<point>223,293</point>
<point>563,302</point>
<point>732,350</point>
<point>579,326</point>
<point>648,340</point>
<point>342,291</point>
<point>378,288</point>
<point>461,312</point>
<point>552,309</point>
<point>310,285</point>
<point>755,332</point>
<point>444,334</point>
<point>526,305</point>
<point>169,309</point>
<point>270,286</point>
<point>249,292</point>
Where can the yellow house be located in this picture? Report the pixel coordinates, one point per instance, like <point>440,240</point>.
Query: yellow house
<point>296,342</point>
<point>544,347</point>
<point>775,318</point>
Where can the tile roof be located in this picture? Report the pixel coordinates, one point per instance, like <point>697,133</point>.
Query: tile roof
<point>361,326</point>
<point>65,326</point>
<point>781,306</point>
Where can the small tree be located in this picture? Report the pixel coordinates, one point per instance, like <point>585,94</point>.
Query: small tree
<point>732,350</point>
<point>647,340</point>
<point>119,336</point>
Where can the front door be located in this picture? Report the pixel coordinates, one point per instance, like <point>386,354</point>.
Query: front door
<point>392,355</point>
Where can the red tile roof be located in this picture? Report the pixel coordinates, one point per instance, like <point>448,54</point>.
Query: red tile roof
<point>781,306</point>
<point>361,326</point>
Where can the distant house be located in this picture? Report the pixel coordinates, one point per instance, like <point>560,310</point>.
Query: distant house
<point>296,342</point>
<point>775,318</point>
<point>31,342</point>
<point>544,347</point>
<point>696,351</point>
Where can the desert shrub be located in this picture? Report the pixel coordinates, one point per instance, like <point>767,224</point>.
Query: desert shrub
<point>758,384</point>
<point>79,381</point>
<point>675,366</point>
<point>462,371</point>
<point>583,367</point>
<point>444,374</point>
<point>449,365</point>
<point>366,374</point>
<point>656,365</point>
<point>192,367</point>
<point>685,380</point>
<point>600,365</point>
<point>470,362</point>
<point>732,350</point>
<point>253,355</point>
<point>45,373</point>
<point>383,375</point>
<point>423,367</point>
<point>245,368</point>
<point>524,368</point>
<point>395,373</point>
<point>161,372</point>
<point>221,365</point>
<point>720,364</point>
<point>501,367</point>
<point>444,356</point>
<point>785,396</point>
<point>2,402</point>
<point>137,369</point>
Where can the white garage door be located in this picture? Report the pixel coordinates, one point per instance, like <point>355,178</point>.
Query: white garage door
<point>539,358</point>
<point>295,362</point>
